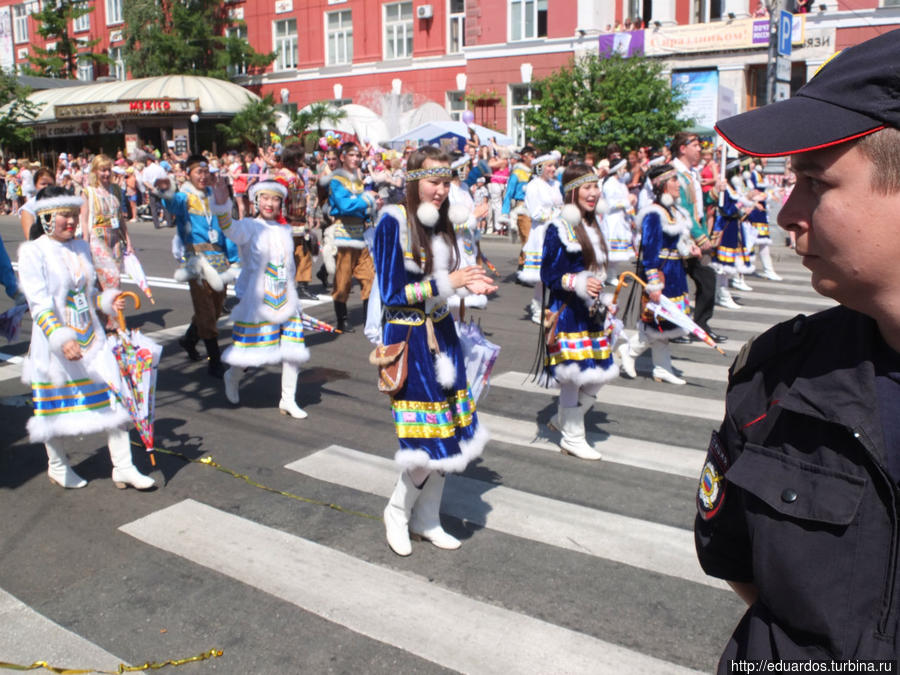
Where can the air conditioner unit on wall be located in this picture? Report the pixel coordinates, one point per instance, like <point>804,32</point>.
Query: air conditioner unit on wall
<point>424,12</point>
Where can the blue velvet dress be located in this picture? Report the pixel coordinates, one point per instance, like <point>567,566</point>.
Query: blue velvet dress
<point>663,262</point>
<point>434,412</point>
<point>732,256</point>
<point>581,353</point>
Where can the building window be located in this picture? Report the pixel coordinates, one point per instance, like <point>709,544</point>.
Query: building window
<point>457,39</point>
<point>456,104</point>
<point>286,44</point>
<point>117,63</point>
<point>520,101</point>
<point>235,69</point>
<point>113,12</point>
<point>20,23</point>
<point>339,32</point>
<point>398,30</point>
<point>83,22</point>
<point>707,10</point>
<point>85,68</point>
<point>527,19</point>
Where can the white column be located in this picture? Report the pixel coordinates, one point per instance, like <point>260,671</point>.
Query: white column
<point>663,11</point>
<point>595,15</point>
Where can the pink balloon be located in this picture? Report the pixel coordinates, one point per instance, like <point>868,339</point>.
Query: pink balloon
<point>323,143</point>
<point>468,117</point>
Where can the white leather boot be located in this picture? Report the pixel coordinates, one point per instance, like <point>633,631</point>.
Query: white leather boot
<point>397,513</point>
<point>626,359</point>
<point>425,522</point>
<point>58,469</point>
<point>662,363</point>
<point>232,379</point>
<point>739,284</point>
<point>535,311</point>
<point>124,471</point>
<point>768,270</point>
<point>288,404</point>
<point>724,299</point>
<point>573,440</point>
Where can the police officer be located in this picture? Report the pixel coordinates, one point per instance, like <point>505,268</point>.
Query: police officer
<point>798,498</point>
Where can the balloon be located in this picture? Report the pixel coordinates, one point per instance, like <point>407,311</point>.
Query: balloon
<point>323,143</point>
<point>468,117</point>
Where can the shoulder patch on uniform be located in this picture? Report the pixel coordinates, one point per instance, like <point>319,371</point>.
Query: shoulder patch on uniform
<point>743,356</point>
<point>711,490</point>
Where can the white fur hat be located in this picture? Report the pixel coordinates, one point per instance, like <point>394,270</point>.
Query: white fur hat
<point>57,204</point>
<point>269,187</point>
<point>553,156</point>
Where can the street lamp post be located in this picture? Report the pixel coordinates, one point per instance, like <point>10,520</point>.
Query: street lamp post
<point>194,119</point>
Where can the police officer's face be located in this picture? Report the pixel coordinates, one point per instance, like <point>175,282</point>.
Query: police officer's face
<point>847,233</point>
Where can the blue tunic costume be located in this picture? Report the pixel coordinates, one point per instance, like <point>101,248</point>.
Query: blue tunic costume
<point>581,353</point>
<point>434,412</point>
<point>732,255</point>
<point>665,242</point>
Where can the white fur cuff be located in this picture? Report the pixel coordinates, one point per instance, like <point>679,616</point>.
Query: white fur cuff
<point>59,337</point>
<point>444,287</point>
<point>652,288</point>
<point>581,291</point>
<point>106,300</point>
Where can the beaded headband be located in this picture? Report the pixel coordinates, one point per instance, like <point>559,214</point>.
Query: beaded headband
<point>664,176</point>
<point>576,183</point>
<point>433,172</point>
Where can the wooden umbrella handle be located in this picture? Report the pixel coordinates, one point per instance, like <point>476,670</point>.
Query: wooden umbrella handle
<point>622,283</point>
<point>120,315</point>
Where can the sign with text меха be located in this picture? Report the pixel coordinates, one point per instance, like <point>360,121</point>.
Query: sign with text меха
<point>135,108</point>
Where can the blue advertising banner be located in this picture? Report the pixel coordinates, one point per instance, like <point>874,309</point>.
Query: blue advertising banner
<point>701,92</point>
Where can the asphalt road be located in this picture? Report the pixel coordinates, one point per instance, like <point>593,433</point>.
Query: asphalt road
<point>566,566</point>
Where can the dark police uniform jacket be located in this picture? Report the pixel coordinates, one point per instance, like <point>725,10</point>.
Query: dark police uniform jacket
<point>795,496</point>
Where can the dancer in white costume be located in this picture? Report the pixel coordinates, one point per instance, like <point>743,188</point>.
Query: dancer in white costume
<point>69,360</point>
<point>267,325</point>
<point>468,236</point>
<point>543,201</point>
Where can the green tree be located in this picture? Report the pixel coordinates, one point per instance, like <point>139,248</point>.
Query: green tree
<point>54,20</point>
<point>16,109</point>
<point>185,37</point>
<point>599,99</point>
<point>252,124</point>
<point>314,117</point>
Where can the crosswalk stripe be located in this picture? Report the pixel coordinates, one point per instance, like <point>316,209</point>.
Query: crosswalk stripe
<point>396,608</point>
<point>638,543</point>
<point>756,297</point>
<point>29,636</point>
<point>636,452</point>
<point>643,399</point>
<point>731,346</point>
<point>755,327</point>
<point>750,308</point>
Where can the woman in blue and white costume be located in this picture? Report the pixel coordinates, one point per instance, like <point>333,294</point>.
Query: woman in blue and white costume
<point>70,362</point>
<point>543,201</point>
<point>616,224</point>
<point>268,329</point>
<point>759,216</point>
<point>468,236</point>
<point>573,268</point>
<point>417,268</point>
<point>666,242</point>
<point>733,255</point>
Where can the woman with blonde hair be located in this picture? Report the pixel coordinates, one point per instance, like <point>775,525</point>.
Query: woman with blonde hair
<point>105,232</point>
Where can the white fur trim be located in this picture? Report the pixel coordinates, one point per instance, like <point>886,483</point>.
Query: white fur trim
<point>472,301</point>
<point>440,256</point>
<point>324,180</point>
<point>680,225</point>
<point>571,214</point>
<point>444,370</point>
<point>371,203</point>
<point>44,428</point>
<point>458,214</point>
<point>106,300</point>
<point>469,450</point>
<point>529,276</point>
<point>581,291</point>
<point>427,214</point>
<point>219,209</point>
<point>62,202</point>
<point>209,274</point>
<point>59,337</point>
<point>601,208</point>
<point>552,156</point>
<point>182,274</point>
<point>231,274</point>
<point>570,372</point>
<point>666,199</point>
<point>351,243</point>
<point>652,288</point>
<point>572,245</point>
<point>252,357</point>
<point>294,353</point>
<point>268,186</point>
<point>411,266</point>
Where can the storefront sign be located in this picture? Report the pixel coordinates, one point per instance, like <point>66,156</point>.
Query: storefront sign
<point>128,108</point>
<point>83,128</point>
<point>715,36</point>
